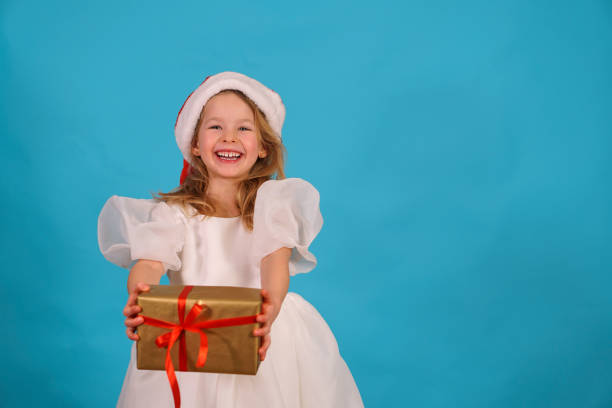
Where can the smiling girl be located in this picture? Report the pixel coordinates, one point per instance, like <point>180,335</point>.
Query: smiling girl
<point>230,223</point>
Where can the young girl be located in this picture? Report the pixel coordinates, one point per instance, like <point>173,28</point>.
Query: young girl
<point>230,224</point>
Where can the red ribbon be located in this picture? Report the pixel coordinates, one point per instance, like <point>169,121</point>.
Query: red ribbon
<point>178,333</point>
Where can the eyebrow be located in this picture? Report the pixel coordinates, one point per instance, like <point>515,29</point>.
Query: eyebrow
<point>221,120</point>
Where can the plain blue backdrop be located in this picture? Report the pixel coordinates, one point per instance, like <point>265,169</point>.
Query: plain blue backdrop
<point>462,151</point>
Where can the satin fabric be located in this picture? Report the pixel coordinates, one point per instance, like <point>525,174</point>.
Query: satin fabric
<point>303,366</point>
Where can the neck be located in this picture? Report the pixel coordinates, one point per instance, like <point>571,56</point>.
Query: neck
<point>223,195</point>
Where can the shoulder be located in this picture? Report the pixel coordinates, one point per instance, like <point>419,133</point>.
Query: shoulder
<point>142,209</point>
<point>287,215</point>
<point>286,199</point>
<point>131,228</point>
<point>287,188</point>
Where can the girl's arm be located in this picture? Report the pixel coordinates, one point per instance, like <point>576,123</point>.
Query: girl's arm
<point>275,275</point>
<point>145,271</point>
<point>274,284</point>
<point>142,274</point>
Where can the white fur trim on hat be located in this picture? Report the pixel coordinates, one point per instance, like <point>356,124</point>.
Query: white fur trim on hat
<point>266,99</point>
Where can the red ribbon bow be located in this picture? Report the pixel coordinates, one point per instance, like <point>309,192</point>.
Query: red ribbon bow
<point>178,333</point>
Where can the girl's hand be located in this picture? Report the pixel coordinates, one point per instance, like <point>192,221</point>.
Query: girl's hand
<point>267,317</point>
<point>132,309</point>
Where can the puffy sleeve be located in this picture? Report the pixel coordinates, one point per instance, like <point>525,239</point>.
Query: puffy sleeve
<point>287,215</point>
<point>130,229</point>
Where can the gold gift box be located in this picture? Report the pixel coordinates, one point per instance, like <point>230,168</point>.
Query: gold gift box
<point>232,350</point>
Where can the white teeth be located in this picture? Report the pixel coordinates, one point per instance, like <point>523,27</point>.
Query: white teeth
<point>228,154</point>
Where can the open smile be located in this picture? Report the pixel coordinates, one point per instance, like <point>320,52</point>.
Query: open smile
<point>228,157</point>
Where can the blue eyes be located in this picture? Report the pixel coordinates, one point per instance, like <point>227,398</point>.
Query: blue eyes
<point>219,127</point>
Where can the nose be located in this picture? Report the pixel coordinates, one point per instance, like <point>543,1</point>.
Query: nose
<point>229,136</point>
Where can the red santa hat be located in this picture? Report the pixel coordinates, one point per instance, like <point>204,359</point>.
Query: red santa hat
<point>265,98</point>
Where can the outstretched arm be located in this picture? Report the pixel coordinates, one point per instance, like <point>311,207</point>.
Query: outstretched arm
<point>145,271</point>
<point>274,285</point>
<point>142,274</point>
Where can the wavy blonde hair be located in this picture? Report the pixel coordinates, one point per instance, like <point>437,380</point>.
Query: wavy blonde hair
<point>192,193</point>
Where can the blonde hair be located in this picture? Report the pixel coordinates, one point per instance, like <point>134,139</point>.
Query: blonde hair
<point>193,190</point>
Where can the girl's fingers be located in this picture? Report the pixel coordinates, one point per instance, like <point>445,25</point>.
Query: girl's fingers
<point>130,311</point>
<point>135,322</point>
<point>266,318</point>
<point>267,311</point>
<point>264,347</point>
<point>133,297</point>
<point>267,341</point>
<point>262,331</point>
<point>142,287</point>
<point>269,308</point>
<point>130,333</point>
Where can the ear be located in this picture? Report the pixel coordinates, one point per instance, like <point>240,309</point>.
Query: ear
<point>262,153</point>
<point>195,151</point>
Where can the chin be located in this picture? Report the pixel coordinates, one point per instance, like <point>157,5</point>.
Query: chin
<point>230,175</point>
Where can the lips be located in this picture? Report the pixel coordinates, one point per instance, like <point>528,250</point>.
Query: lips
<point>228,151</point>
<point>228,156</point>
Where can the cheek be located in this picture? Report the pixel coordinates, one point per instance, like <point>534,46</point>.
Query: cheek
<point>205,141</point>
<point>252,143</point>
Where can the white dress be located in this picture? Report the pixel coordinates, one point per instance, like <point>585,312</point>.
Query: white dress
<point>303,366</point>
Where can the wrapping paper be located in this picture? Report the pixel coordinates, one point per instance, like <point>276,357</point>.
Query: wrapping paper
<point>232,349</point>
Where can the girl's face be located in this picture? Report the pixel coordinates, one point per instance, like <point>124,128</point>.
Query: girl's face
<point>228,141</point>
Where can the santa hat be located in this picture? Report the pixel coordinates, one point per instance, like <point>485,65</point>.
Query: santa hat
<point>268,101</point>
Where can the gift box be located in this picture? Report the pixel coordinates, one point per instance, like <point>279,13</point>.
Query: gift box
<point>199,328</point>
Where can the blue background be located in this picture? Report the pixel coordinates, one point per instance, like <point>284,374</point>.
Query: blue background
<point>462,151</point>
